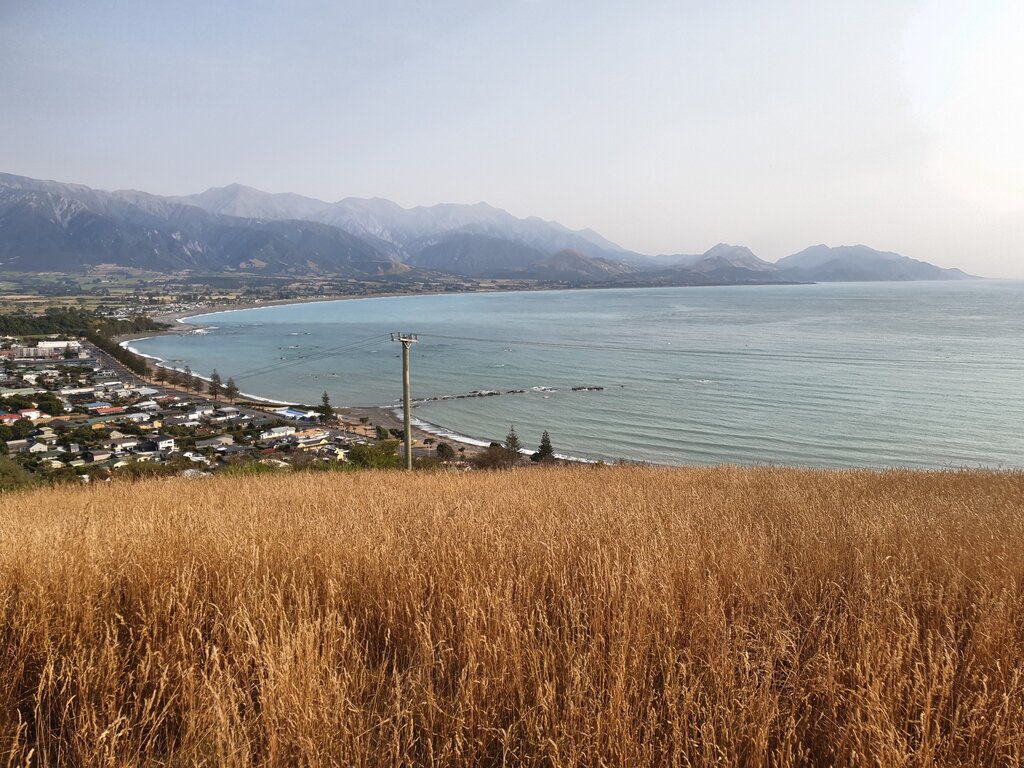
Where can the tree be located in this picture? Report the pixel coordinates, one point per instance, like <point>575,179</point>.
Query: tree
<point>381,455</point>
<point>216,385</point>
<point>382,434</point>
<point>161,374</point>
<point>512,444</point>
<point>494,456</point>
<point>13,475</point>
<point>326,411</point>
<point>186,379</point>
<point>445,452</point>
<point>21,429</point>
<point>231,389</point>
<point>545,452</point>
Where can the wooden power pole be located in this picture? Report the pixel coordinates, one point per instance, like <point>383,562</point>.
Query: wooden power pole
<point>407,340</point>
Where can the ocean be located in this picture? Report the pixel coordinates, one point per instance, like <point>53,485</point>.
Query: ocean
<point>927,375</point>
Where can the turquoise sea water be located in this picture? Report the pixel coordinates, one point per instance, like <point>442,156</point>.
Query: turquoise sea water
<point>831,375</point>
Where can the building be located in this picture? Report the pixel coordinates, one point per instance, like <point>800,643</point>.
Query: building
<point>20,391</point>
<point>162,443</point>
<point>121,443</point>
<point>276,432</point>
<point>215,442</point>
<point>37,352</point>
<point>71,391</point>
<point>43,435</point>
<point>298,414</point>
<point>60,345</point>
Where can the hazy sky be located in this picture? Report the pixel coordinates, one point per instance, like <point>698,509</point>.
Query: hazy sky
<point>667,126</point>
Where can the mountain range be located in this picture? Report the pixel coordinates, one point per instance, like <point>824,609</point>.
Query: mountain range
<point>48,226</point>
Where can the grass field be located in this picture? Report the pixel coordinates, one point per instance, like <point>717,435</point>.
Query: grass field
<point>571,616</point>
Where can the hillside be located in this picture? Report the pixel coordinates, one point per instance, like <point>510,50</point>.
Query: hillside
<point>472,255</point>
<point>407,229</point>
<point>47,226</point>
<point>571,616</point>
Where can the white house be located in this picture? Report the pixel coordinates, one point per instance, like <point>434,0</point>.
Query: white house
<point>162,442</point>
<point>296,413</point>
<point>59,345</point>
<point>67,391</point>
<point>155,443</point>
<point>275,432</point>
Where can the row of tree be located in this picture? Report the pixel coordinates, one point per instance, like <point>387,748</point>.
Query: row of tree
<point>135,363</point>
<point>510,453</point>
<point>73,322</point>
<point>215,386</point>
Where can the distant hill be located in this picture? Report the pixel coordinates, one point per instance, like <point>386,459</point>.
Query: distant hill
<point>721,265</point>
<point>569,263</point>
<point>821,263</point>
<point>724,255</point>
<point>484,256</point>
<point>472,255</point>
<point>52,226</point>
<point>726,263</point>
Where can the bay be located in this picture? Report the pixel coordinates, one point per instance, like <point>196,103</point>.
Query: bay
<point>924,375</point>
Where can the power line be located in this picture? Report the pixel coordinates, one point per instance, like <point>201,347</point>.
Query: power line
<point>697,352</point>
<point>293,362</point>
<point>353,346</point>
<point>370,342</point>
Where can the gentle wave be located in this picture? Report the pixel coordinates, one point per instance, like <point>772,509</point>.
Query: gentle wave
<point>827,375</point>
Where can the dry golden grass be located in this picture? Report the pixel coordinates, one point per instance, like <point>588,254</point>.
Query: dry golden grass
<point>575,616</point>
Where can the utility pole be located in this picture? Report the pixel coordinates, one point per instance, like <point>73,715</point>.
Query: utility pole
<point>407,339</point>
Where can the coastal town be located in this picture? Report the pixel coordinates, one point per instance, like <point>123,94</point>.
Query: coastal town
<point>70,412</point>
